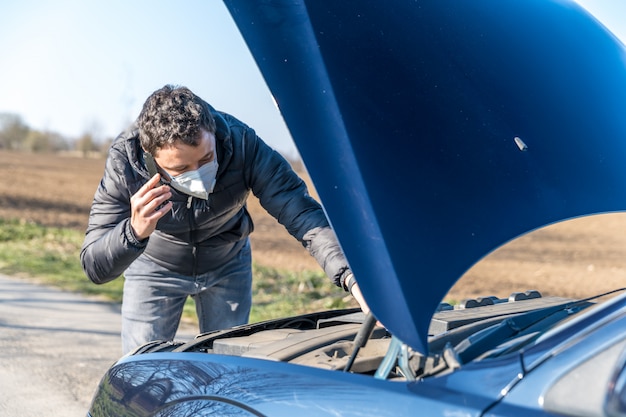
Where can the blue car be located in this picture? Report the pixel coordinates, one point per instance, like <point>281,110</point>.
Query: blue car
<point>435,131</point>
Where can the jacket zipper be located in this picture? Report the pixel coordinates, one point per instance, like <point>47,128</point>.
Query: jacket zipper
<point>194,248</point>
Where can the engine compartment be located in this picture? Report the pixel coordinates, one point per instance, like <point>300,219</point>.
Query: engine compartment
<point>327,339</point>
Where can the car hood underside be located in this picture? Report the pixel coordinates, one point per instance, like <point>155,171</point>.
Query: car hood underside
<point>436,131</point>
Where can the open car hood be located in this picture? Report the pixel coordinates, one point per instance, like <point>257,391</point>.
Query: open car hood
<point>437,130</point>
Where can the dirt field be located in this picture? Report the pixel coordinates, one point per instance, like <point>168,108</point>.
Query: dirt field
<point>578,258</point>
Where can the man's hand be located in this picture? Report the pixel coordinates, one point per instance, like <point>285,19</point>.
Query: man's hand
<point>356,293</point>
<point>148,205</point>
<point>358,296</point>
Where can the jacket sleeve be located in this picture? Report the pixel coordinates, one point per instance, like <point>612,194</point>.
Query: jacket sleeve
<point>285,196</point>
<point>323,245</point>
<point>110,245</point>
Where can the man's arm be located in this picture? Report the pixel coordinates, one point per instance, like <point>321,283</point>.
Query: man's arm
<point>119,224</point>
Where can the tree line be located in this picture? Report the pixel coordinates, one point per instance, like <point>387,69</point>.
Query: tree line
<point>16,135</point>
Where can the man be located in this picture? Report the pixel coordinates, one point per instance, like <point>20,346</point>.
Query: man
<point>170,214</point>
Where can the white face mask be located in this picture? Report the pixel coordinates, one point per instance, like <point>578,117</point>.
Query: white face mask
<point>198,183</point>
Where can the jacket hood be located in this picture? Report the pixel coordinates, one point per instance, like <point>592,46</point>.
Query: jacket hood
<point>436,131</point>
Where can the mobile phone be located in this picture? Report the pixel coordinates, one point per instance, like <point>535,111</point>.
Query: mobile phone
<point>153,169</point>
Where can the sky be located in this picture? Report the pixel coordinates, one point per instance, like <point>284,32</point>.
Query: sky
<point>75,67</point>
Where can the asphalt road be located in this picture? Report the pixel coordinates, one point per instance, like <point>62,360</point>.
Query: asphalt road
<point>54,348</point>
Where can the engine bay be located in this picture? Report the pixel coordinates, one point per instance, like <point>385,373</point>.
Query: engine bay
<point>342,340</point>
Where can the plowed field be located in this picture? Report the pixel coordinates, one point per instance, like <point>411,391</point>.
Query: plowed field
<point>577,258</point>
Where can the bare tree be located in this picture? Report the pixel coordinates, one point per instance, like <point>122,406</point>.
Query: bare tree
<point>13,131</point>
<point>44,142</point>
<point>86,144</point>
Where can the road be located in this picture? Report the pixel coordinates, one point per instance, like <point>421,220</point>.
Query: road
<point>54,348</point>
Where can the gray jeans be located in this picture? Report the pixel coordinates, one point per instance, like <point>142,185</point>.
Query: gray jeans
<point>154,298</point>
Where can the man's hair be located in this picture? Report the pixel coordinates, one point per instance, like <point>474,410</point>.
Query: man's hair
<point>173,114</point>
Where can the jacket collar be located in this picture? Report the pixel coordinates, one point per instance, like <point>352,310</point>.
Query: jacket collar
<point>223,141</point>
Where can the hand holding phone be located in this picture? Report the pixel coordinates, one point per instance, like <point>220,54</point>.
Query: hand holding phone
<point>148,205</point>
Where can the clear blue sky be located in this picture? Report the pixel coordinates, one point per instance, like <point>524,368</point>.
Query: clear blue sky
<point>74,66</point>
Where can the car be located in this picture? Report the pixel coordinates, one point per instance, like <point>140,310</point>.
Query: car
<point>434,133</point>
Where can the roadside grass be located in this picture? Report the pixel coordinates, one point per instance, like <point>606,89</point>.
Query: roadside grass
<point>51,256</point>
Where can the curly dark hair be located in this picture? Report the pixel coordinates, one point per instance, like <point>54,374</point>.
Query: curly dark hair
<point>171,114</point>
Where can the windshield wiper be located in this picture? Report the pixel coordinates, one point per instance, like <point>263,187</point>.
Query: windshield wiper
<point>487,339</point>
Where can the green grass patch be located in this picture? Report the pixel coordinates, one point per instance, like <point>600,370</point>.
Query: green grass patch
<point>51,255</point>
